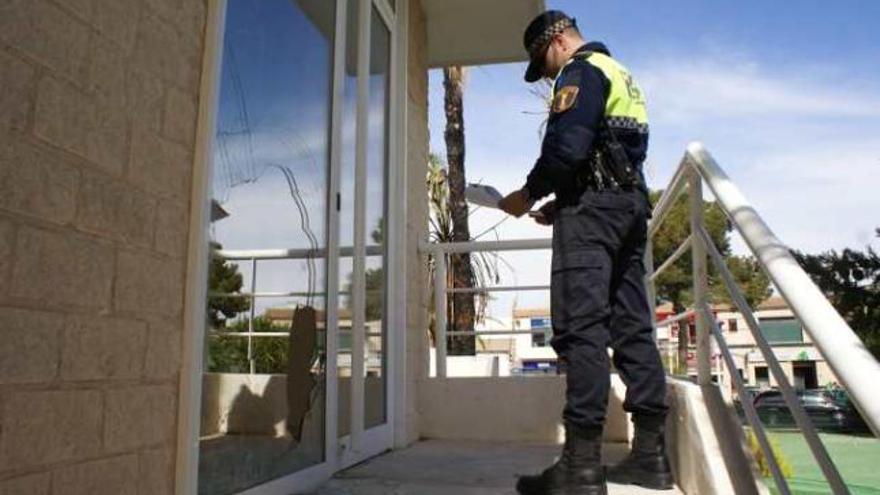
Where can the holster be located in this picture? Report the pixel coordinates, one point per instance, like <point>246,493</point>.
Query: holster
<point>617,165</point>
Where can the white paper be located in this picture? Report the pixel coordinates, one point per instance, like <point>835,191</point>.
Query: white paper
<point>483,195</point>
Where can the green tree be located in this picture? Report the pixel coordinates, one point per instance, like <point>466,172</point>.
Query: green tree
<point>750,277</point>
<point>851,281</point>
<point>374,282</point>
<point>224,278</point>
<point>228,354</point>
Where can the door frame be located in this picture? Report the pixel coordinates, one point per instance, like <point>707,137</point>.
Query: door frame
<point>339,453</point>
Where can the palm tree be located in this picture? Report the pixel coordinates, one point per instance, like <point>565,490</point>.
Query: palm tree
<point>483,266</point>
<point>463,310</point>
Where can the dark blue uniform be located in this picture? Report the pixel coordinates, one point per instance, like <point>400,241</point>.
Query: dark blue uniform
<point>598,297</point>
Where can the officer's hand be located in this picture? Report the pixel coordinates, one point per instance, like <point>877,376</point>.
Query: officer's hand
<point>546,214</point>
<point>516,203</point>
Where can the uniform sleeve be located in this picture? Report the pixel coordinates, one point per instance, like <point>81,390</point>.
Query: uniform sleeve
<point>569,133</point>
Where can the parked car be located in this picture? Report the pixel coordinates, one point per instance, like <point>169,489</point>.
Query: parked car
<point>828,411</point>
<point>750,393</point>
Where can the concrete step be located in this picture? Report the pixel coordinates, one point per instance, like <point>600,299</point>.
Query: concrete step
<point>441,467</point>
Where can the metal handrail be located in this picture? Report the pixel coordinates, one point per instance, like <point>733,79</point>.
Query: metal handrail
<point>479,246</point>
<point>788,394</point>
<point>274,334</point>
<point>683,248</point>
<point>667,200</point>
<point>806,301</point>
<point>675,319</point>
<point>440,251</point>
<point>290,254</point>
<point>846,354</point>
<point>478,333</point>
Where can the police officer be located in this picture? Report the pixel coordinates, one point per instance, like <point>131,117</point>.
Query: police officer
<point>591,157</point>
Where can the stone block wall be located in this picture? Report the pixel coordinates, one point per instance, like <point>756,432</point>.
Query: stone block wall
<point>417,217</point>
<point>98,110</point>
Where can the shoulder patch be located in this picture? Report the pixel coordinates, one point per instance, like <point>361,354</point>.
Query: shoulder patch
<point>564,99</point>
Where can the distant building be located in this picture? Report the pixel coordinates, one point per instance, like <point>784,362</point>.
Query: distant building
<point>798,356</point>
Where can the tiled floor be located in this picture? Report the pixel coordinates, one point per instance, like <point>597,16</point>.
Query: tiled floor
<point>440,467</point>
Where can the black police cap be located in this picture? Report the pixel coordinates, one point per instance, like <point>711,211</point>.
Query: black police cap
<point>537,36</point>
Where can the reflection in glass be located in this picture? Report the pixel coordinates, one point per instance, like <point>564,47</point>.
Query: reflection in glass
<point>263,396</point>
<point>376,231</point>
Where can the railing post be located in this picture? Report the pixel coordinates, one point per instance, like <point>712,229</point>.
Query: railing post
<point>252,363</point>
<point>701,279</point>
<point>440,312</point>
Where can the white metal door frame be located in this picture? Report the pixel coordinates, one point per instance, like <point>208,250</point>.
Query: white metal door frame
<point>359,256</point>
<point>195,303</point>
<point>363,443</point>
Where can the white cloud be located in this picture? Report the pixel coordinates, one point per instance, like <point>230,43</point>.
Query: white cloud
<point>819,195</point>
<point>705,90</point>
<point>804,151</point>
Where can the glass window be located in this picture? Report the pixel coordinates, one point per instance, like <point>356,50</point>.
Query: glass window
<point>782,330</point>
<point>541,339</point>
<point>762,377</point>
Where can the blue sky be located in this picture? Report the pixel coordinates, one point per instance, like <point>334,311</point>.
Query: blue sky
<point>275,111</point>
<point>786,95</point>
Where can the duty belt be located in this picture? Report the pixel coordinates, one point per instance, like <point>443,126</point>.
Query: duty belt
<point>608,167</point>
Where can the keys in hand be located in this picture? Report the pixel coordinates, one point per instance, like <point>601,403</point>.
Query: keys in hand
<point>545,214</point>
<point>516,203</point>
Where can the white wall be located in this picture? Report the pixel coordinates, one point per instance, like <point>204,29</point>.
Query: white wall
<point>516,408</point>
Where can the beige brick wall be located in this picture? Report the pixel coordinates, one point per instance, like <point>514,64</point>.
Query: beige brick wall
<point>98,108</point>
<point>417,214</point>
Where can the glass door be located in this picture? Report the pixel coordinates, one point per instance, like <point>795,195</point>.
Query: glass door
<point>294,375</point>
<point>264,388</point>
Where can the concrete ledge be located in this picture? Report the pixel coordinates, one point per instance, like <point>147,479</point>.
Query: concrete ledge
<point>706,443</point>
<point>507,409</point>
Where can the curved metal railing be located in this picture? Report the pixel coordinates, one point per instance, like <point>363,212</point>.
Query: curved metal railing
<point>847,356</point>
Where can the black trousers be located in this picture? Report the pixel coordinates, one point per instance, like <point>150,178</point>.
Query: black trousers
<point>598,300</point>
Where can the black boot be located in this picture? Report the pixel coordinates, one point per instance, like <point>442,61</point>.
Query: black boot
<point>578,471</point>
<point>647,464</point>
